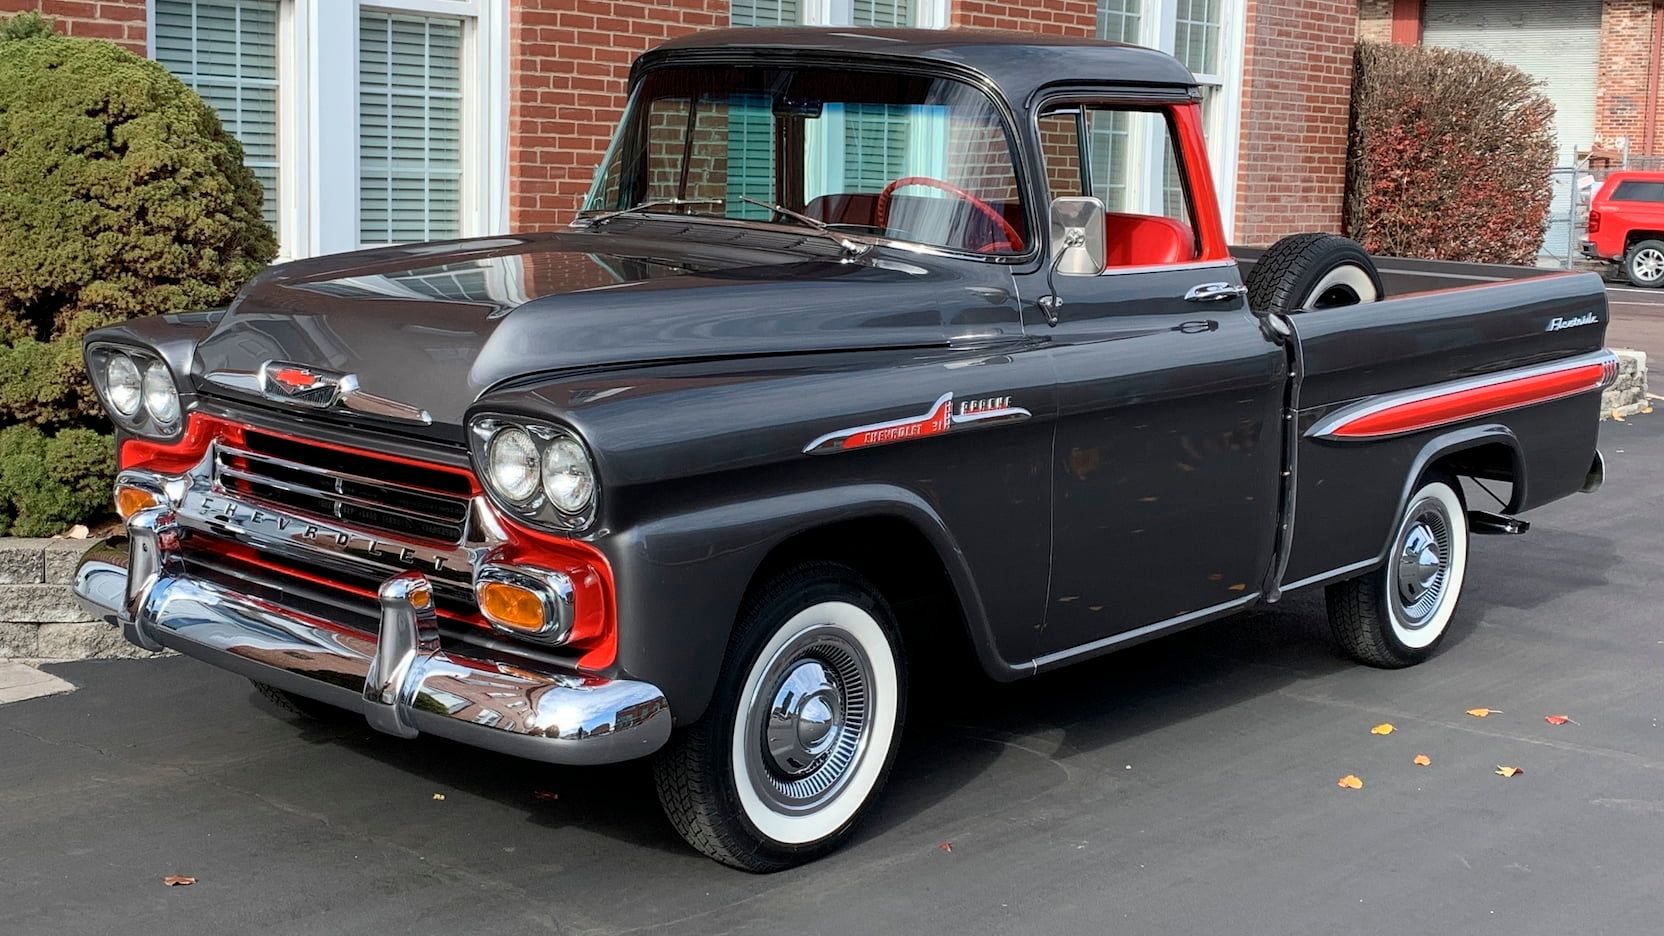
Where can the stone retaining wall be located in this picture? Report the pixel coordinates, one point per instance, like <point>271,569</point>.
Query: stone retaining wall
<point>1629,395</point>
<point>39,618</point>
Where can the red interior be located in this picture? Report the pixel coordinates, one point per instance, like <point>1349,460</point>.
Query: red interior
<point>1130,239</point>
<point>1147,240</point>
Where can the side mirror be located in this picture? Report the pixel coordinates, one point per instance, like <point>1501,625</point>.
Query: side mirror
<point>1077,236</point>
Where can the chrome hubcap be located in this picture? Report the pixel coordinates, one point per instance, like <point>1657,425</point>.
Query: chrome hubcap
<point>804,720</point>
<point>1648,264</point>
<point>806,742</point>
<point>1422,565</point>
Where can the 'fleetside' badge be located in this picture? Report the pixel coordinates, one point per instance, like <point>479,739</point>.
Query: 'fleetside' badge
<point>941,418</point>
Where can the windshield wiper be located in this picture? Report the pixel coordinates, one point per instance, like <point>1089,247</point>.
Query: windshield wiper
<point>649,205</point>
<point>850,247</point>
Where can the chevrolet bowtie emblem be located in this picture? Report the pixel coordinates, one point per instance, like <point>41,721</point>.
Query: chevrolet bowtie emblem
<point>303,385</point>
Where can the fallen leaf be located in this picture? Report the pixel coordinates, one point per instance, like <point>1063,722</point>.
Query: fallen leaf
<point>1646,409</point>
<point>438,796</point>
<point>1422,760</point>
<point>78,531</point>
<point>1383,728</point>
<point>1617,416</point>
<point>1483,712</point>
<point>1557,719</point>
<point>176,880</point>
<point>1502,771</point>
<point>1351,782</point>
<point>546,795</point>
<point>945,846</point>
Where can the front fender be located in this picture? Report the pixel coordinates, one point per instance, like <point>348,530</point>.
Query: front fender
<point>683,577</point>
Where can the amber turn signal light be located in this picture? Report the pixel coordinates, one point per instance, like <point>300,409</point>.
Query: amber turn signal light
<point>512,606</point>
<point>130,500</point>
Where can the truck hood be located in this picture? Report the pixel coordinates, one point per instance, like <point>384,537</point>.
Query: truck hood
<point>435,326</point>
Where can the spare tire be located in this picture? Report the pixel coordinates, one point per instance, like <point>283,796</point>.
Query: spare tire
<point>1306,272</point>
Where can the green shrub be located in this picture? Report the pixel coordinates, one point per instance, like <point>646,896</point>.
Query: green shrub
<point>48,483</point>
<point>121,195</point>
<point>1450,156</point>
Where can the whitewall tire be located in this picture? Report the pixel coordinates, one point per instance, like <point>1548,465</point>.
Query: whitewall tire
<point>1397,615</point>
<point>803,728</point>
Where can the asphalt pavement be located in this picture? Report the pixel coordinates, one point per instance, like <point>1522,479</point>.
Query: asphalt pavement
<point>1637,321</point>
<point>1186,786</point>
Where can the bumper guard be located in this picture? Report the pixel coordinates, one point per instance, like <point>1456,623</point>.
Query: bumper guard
<point>400,679</point>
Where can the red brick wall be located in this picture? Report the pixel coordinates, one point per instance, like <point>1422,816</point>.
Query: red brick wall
<point>569,62</point>
<point>120,21</point>
<point>1375,20</point>
<point>1296,102</point>
<point>1062,17</point>
<point>1623,103</point>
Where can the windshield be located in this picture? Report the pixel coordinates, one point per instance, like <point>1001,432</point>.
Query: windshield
<point>905,157</point>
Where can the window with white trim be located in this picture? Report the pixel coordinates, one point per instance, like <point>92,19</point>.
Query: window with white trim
<point>226,50</point>
<point>1206,35</point>
<point>367,121</point>
<point>409,127</point>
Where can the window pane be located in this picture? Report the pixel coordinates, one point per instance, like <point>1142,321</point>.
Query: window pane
<point>1118,20</point>
<point>882,13</point>
<point>410,128</point>
<point>226,50</point>
<point>1132,168</point>
<point>844,139</point>
<point>764,13</point>
<point>1060,147</point>
<point>1196,34</point>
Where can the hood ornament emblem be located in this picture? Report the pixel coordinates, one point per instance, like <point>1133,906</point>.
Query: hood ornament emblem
<point>317,388</point>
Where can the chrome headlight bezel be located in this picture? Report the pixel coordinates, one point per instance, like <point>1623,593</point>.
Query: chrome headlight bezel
<point>143,420</point>
<point>539,509</point>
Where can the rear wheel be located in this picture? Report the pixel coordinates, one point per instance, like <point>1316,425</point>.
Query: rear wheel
<point>1644,264</point>
<point>803,728</point>
<point>1397,615</point>
<point>1308,272</point>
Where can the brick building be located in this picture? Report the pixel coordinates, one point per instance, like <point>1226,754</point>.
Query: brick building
<point>1598,59</point>
<point>372,121</point>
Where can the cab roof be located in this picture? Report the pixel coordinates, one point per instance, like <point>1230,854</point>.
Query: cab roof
<point>1018,64</point>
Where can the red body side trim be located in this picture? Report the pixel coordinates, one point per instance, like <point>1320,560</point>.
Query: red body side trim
<point>1469,403</point>
<point>594,633</point>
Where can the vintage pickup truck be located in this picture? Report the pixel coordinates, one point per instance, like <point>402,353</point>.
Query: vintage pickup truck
<point>867,347</point>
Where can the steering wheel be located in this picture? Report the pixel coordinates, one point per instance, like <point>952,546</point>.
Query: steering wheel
<point>881,211</point>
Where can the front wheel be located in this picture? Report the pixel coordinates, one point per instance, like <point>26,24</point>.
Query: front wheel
<point>803,728</point>
<point>1644,264</point>
<point>1397,615</point>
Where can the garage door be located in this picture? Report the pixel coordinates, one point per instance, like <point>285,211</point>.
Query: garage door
<point>1555,41</point>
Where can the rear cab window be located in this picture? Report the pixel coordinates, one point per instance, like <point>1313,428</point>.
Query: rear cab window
<point>1635,190</point>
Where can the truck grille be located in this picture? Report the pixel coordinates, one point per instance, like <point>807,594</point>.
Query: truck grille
<point>334,485</point>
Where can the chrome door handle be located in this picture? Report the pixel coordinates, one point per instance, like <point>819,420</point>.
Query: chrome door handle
<point>1215,292</point>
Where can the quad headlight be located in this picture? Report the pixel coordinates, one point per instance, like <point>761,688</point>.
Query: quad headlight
<point>539,471</point>
<point>137,388</point>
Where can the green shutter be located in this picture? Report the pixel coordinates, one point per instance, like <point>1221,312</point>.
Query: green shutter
<point>410,128</point>
<point>226,50</point>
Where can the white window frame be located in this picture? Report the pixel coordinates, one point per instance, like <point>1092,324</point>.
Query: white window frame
<point>1157,26</point>
<point>318,158</point>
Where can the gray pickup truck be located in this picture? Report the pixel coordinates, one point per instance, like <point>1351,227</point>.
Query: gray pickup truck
<point>867,346</point>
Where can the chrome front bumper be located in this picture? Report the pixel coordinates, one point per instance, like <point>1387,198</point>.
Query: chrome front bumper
<point>400,679</point>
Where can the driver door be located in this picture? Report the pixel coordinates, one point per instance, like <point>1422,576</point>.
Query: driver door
<point>1168,446</point>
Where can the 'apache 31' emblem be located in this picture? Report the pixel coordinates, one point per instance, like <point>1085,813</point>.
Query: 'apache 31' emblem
<point>941,418</point>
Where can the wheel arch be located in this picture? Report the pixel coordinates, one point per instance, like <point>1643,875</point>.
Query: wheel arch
<point>692,572</point>
<point>1637,235</point>
<point>1491,451</point>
